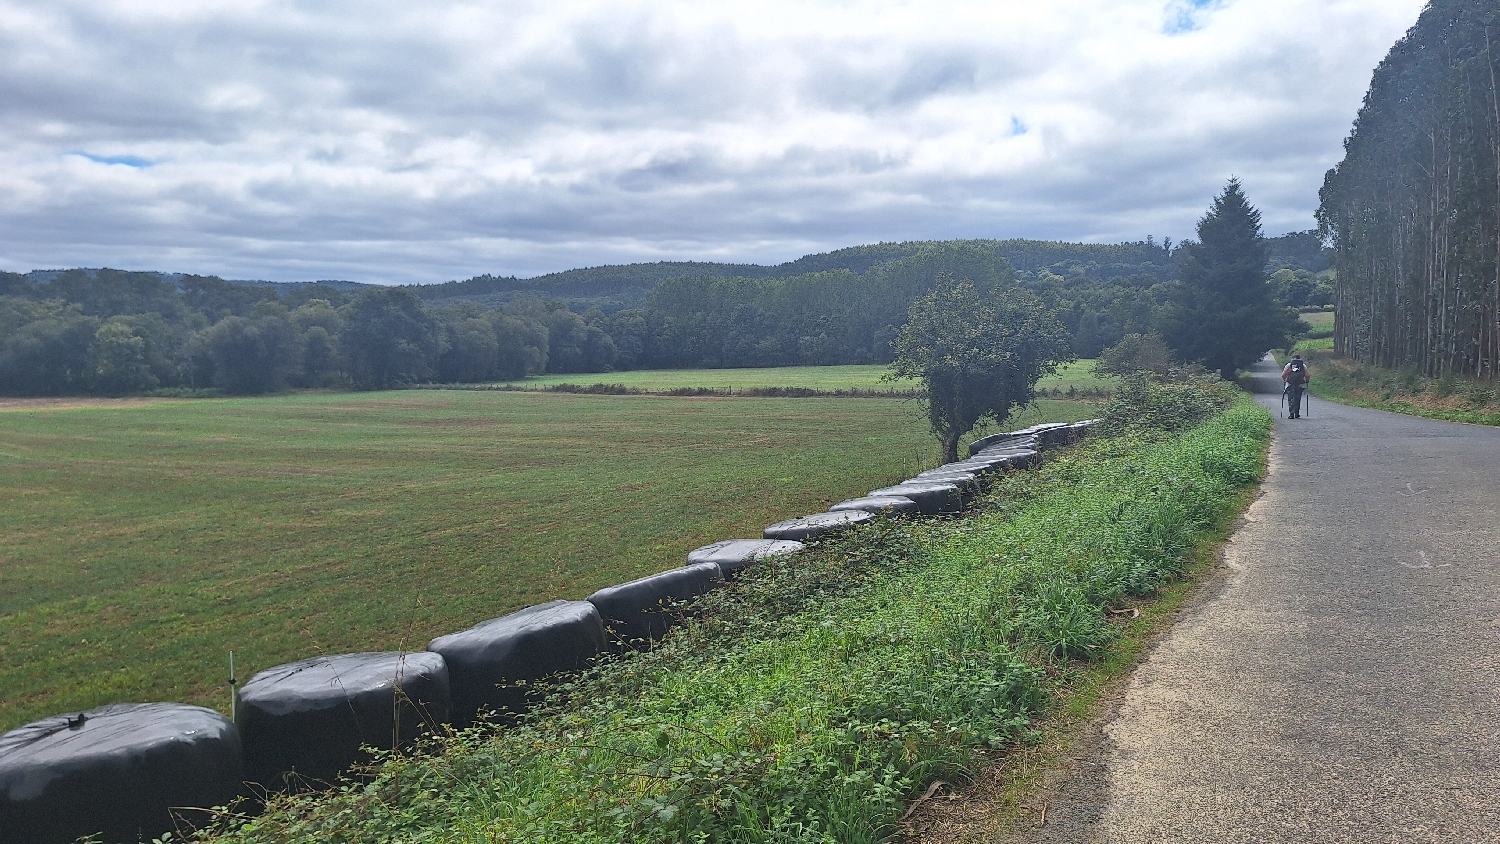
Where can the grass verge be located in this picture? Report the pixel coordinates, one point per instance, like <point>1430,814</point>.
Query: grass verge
<point>816,696</point>
<point>1452,398</point>
<point>1011,795</point>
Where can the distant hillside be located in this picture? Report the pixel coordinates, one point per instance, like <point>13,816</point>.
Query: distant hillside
<point>177,279</point>
<point>1299,251</point>
<point>616,287</point>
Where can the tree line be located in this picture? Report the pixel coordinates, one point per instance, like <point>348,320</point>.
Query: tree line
<point>114,333</point>
<point>111,332</point>
<point>1413,209</point>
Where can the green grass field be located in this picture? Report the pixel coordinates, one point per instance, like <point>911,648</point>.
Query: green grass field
<point>146,540</point>
<point>1319,319</point>
<point>1078,374</point>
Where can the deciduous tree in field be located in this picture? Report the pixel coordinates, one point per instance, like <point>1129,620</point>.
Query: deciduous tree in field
<point>389,339</point>
<point>1223,314</point>
<point>978,355</point>
<point>252,354</point>
<point>119,360</point>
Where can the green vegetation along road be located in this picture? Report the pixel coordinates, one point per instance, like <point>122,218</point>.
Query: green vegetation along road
<point>1339,684</point>
<point>145,540</point>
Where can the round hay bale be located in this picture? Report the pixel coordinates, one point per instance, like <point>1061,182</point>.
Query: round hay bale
<point>885,505</point>
<point>1026,438</point>
<point>310,718</point>
<point>1056,435</point>
<point>1015,444</point>
<point>731,555</point>
<point>818,524</point>
<point>981,466</point>
<point>638,612</point>
<point>969,482</point>
<point>985,442</point>
<point>491,663</point>
<point>118,771</point>
<point>932,498</point>
<point>1014,459</point>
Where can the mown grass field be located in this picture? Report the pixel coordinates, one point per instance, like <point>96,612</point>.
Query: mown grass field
<point>146,540</point>
<point>1078,374</point>
<point>1319,320</point>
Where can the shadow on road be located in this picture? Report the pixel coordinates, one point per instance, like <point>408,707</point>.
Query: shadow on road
<point>1264,377</point>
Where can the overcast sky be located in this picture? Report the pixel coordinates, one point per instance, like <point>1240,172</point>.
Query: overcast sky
<point>420,142</point>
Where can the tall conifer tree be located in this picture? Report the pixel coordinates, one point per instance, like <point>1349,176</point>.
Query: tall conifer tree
<point>1223,315</point>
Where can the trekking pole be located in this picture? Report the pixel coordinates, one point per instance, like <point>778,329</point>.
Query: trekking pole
<point>1282,410</point>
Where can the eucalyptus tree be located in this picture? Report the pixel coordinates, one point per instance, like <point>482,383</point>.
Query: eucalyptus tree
<point>1413,209</point>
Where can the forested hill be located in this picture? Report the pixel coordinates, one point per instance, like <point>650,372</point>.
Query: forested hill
<point>1413,210</point>
<point>616,287</point>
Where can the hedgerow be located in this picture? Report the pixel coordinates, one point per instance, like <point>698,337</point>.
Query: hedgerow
<point>815,695</point>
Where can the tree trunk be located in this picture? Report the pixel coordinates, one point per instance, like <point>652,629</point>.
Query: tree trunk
<point>950,446</point>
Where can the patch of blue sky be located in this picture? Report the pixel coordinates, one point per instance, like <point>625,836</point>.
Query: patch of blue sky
<point>1188,15</point>
<point>127,160</point>
<point>1017,127</point>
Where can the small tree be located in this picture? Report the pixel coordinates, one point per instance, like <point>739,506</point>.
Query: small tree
<point>978,356</point>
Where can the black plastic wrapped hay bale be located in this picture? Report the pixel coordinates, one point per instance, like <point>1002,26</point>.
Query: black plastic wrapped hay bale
<point>731,555</point>
<point>1016,444</point>
<point>639,611</point>
<point>118,770</point>
<point>310,718</point>
<point>1048,434</point>
<point>818,524</point>
<point>1028,438</point>
<point>968,481</point>
<point>491,665</point>
<point>986,467</point>
<point>1057,435</point>
<point>985,442</point>
<point>1011,458</point>
<point>980,466</point>
<point>932,498</point>
<point>882,505</point>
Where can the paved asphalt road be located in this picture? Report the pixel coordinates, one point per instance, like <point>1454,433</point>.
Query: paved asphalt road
<point>1341,683</point>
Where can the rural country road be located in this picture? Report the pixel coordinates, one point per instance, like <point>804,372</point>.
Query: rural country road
<point>1341,682</point>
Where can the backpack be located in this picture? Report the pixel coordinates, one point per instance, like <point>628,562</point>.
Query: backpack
<point>1297,374</point>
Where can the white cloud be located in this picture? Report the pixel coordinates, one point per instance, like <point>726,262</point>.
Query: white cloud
<point>421,142</point>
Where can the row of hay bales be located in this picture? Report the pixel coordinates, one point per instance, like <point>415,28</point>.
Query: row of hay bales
<point>123,770</point>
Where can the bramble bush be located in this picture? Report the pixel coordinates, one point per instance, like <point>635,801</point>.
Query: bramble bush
<point>1149,404</point>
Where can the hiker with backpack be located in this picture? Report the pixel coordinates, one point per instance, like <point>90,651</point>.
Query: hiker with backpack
<point>1294,374</point>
